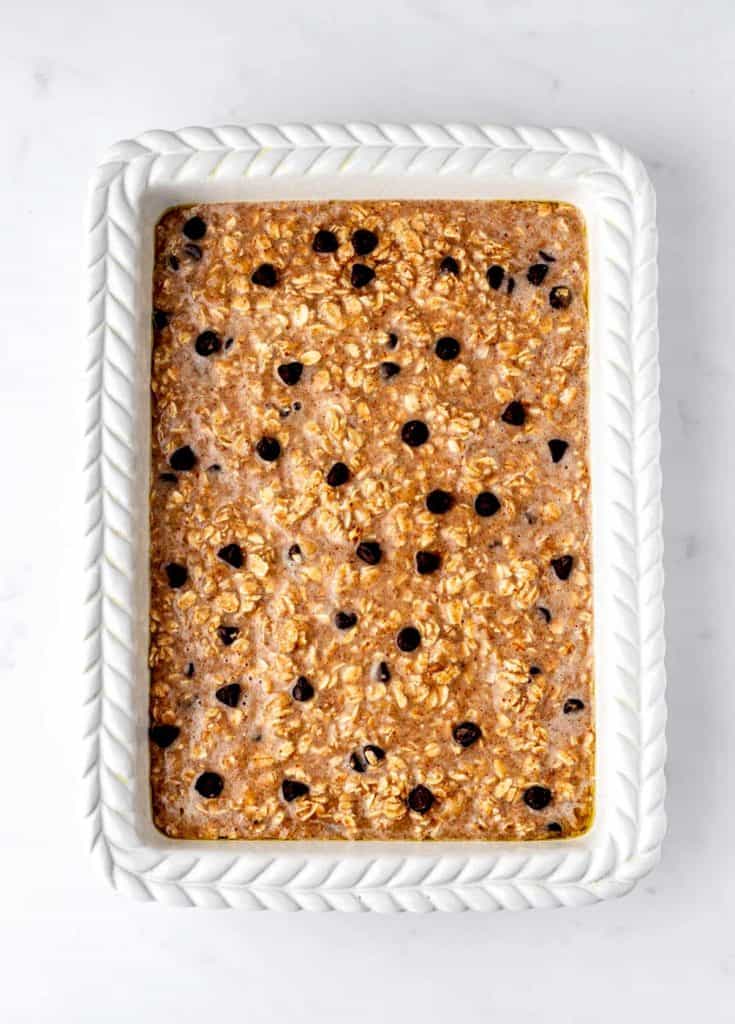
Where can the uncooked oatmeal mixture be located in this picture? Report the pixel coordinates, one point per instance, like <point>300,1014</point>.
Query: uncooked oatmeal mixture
<point>371,609</point>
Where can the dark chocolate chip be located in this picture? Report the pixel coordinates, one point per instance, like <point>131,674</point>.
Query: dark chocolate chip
<point>383,672</point>
<point>163,735</point>
<point>560,297</point>
<point>189,670</point>
<point>388,370</point>
<point>168,478</point>
<point>214,468</point>
<point>290,373</point>
<point>573,705</point>
<point>514,414</point>
<point>160,319</point>
<point>408,639</point>
<point>495,275</point>
<point>325,241</point>
<point>554,827</point>
<point>373,754</point>
<point>447,348</point>
<point>557,449</point>
<point>207,343</point>
<point>364,241</point>
<point>511,285</point>
<point>268,448</point>
<point>302,689</point>
<point>392,341</point>
<point>486,504</point>
<point>368,551</point>
<point>209,785</point>
<point>229,343</point>
<point>232,554</point>
<point>228,634</point>
<point>537,797</point>
<point>427,562</point>
<point>266,276</point>
<point>177,575</point>
<point>544,613</point>
<point>537,273</point>
<point>414,433</point>
<point>562,566</point>
<point>183,459</point>
<point>438,501</point>
<point>173,262</point>
<point>194,228</point>
<point>449,266</point>
<point>339,474</point>
<point>294,552</point>
<point>466,733</point>
<point>356,763</point>
<point>420,799</point>
<point>360,275</point>
<point>296,407</point>
<point>229,694</point>
<point>292,789</point>
<point>547,256</point>
<point>345,620</point>
<point>534,670</point>
<point>194,252</point>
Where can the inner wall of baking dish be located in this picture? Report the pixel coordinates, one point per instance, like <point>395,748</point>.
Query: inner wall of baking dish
<point>154,202</point>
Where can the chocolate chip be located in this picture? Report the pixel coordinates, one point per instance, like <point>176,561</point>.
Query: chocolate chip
<point>193,251</point>
<point>168,478</point>
<point>356,763</point>
<point>194,228</point>
<point>339,474</point>
<point>537,273</point>
<point>296,407</point>
<point>427,562</point>
<point>364,241</point>
<point>573,705</point>
<point>557,449</point>
<point>414,433</point>
<point>466,733</point>
<point>562,566</point>
<point>388,370</point>
<point>232,554</point>
<point>294,553</point>
<point>268,448</point>
<point>209,785</point>
<point>292,790</point>
<point>449,266</point>
<point>544,613</point>
<point>345,620</point>
<point>228,634</point>
<point>408,639</point>
<point>486,504</point>
<point>560,297</point>
<point>177,575</point>
<point>160,319</point>
<point>189,670</point>
<point>302,689</point>
<point>546,256</point>
<point>183,459</point>
<point>447,348</point>
<point>383,672</point>
<point>511,285</point>
<point>438,501</point>
<point>537,797</point>
<point>229,694</point>
<point>514,414</point>
<point>392,341</point>
<point>214,468</point>
<point>534,670</point>
<point>266,276</point>
<point>360,275</point>
<point>368,551</point>
<point>420,799</point>
<point>290,373</point>
<point>207,343</point>
<point>373,754</point>
<point>554,827</point>
<point>495,275</point>
<point>325,241</point>
<point>164,735</point>
<point>173,262</point>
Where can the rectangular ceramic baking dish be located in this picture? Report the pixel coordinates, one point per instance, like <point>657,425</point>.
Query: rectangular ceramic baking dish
<point>131,188</point>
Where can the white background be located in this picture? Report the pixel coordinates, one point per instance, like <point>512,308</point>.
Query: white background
<point>77,75</point>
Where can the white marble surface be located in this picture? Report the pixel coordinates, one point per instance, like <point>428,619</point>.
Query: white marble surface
<point>77,75</point>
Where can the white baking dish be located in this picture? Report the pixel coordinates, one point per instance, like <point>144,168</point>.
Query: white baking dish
<point>131,188</point>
